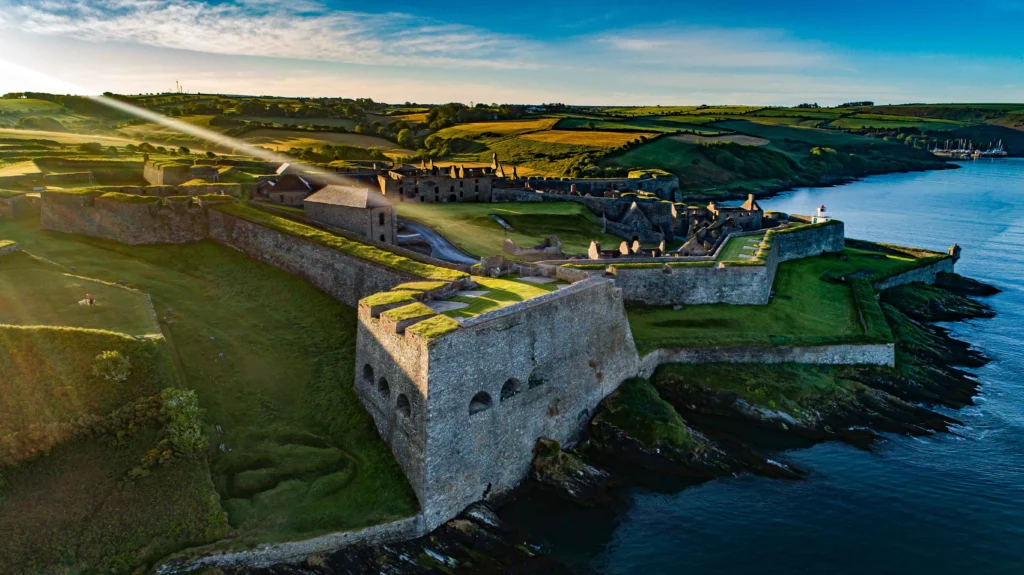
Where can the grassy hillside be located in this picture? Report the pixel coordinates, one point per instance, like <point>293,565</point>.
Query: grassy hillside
<point>271,360</point>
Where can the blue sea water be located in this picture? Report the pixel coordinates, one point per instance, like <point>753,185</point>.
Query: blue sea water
<point>951,503</point>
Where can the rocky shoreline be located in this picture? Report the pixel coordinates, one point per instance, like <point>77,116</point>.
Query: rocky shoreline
<point>697,423</point>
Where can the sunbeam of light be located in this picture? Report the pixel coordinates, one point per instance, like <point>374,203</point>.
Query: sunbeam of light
<point>238,146</point>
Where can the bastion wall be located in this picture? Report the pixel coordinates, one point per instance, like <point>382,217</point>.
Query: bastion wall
<point>738,284</point>
<point>925,274</point>
<point>128,223</point>
<point>346,278</point>
<point>810,241</point>
<point>477,399</point>
<point>840,354</point>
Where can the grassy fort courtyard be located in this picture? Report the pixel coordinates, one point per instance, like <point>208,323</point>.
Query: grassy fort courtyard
<point>809,308</point>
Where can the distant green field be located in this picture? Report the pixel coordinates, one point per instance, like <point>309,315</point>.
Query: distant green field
<point>24,105</point>
<point>810,136</point>
<point>805,310</point>
<point>473,230</point>
<point>879,121</point>
<point>637,124</point>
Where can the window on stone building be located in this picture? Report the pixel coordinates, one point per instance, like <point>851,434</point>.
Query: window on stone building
<point>460,193</point>
<point>460,183</point>
<point>437,189</point>
<point>380,218</point>
<point>511,388</point>
<point>423,199</point>
<point>480,402</point>
<point>383,239</point>
<point>383,388</point>
<point>476,189</point>
<point>402,405</point>
<point>367,372</point>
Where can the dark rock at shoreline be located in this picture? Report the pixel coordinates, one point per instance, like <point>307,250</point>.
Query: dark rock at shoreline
<point>961,285</point>
<point>477,541</point>
<point>567,475</point>
<point>932,303</point>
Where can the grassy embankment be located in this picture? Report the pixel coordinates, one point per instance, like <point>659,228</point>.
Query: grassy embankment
<point>66,501</point>
<point>302,456</point>
<point>806,310</point>
<point>347,246</point>
<point>474,231</point>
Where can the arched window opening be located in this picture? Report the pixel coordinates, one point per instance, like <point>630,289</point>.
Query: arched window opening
<point>402,405</point>
<point>383,388</point>
<point>367,372</point>
<point>383,240</point>
<point>480,402</point>
<point>511,388</point>
<point>535,381</point>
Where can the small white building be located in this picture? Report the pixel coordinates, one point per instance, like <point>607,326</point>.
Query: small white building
<point>821,216</point>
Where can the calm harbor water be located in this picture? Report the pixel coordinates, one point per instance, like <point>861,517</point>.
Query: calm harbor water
<point>945,504</point>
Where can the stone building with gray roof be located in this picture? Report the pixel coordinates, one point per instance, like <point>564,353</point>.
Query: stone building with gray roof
<point>358,209</point>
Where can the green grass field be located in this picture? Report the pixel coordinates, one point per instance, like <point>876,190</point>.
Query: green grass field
<point>804,311</point>
<point>27,105</point>
<point>35,292</point>
<point>474,231</point>
<point>303,455</point>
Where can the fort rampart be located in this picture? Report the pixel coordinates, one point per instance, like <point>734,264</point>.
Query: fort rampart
<point>346,278</point>
<point>148,222</point>
<point>742,283</point>
<point>839,354</point>
<point>924,274</point>
<point>465,430</point>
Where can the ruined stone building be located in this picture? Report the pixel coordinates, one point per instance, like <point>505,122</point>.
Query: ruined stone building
<point>289,189</point>
<point>431,184</point>
<point>357,209</point>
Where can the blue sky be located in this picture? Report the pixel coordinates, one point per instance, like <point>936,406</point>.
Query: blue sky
<point>596,52</point>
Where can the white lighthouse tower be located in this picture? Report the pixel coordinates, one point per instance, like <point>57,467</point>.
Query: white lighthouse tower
<point>821,215</point>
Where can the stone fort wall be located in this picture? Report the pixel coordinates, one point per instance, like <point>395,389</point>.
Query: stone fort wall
<point>128,223</point>
<point>346,278</point>
<point>463,412</point>
<point>925,274</point>
<point>743,284</point>
<point>840,354</point>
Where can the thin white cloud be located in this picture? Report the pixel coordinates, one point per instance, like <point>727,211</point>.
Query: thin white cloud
<point>713,48</point>
<point>303,30</point>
